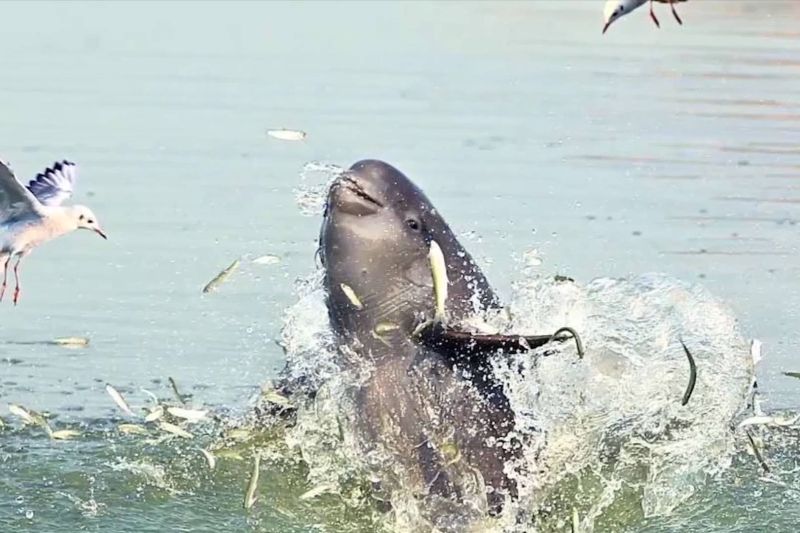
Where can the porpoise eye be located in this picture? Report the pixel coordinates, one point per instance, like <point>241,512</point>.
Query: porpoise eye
<point>413,224</point>
<point>90,221</point>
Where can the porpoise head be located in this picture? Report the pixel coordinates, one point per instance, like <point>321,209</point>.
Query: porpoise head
<point>374,243</point>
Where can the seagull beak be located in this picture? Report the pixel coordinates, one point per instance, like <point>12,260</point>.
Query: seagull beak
<point>606,27</point>
<point>100,232</point>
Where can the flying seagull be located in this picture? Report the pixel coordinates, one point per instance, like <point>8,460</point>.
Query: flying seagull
<point>31,215</point>
<point>615,9</point>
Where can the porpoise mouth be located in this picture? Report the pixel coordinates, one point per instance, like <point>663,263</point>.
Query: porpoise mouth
<point>348,195</point>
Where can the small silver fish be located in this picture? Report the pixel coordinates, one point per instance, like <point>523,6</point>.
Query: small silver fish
<point>212,461</point>
<point>351,295</point>
<point>132,429</point>
<point>287,135</point>
<point>220,278</point>
<point>251,495</point>
<point>576,521</point>
<point>72,342</point>
<point>175,430</point>
<point>273,396</point>
<point>64,434</point>
<point>385,327</point>
<point>439,275</point>
<point>316,491</point>
<point>21,412</point>
<point>155,414</point>
<point>118,399</point>
<point>239,434</point>
<point>769,420</point>
<point>774,481</point>
<point>192,415</point>
<point>229,454</point>
<point>28,416</point>
<point>755,421</point>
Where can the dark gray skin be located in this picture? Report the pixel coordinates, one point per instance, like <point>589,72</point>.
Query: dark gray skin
<point>375,238</point>
<point>431,400</point>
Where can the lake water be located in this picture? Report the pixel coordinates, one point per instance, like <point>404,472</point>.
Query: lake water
<point>643,150</point>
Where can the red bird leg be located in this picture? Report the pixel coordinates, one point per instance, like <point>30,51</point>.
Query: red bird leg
<point>18,288</point>
<point>675,13</point>
<point>653,15</point>
<point>5,278</point>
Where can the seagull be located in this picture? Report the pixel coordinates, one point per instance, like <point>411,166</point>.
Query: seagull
<point>614,9</point>
<point>31,215</point>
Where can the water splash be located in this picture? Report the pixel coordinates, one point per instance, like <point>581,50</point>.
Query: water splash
<point>315,179</point>
<point>613,423</point>
<point>153,474</point>
<point>89,508</point>
<point>605,436</point>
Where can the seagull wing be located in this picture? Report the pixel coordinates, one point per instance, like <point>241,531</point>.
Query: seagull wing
<point>55,184</point>
<point>15,200</point>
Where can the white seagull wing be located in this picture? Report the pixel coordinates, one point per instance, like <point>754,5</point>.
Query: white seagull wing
<point>15,200</point>
<point>55,184</point>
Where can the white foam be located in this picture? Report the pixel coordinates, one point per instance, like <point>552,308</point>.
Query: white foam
<point>611,423</point>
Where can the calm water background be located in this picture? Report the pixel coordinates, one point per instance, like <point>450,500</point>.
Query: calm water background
<point>673,150</point>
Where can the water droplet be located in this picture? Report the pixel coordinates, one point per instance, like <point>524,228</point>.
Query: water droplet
<point>532,258</point>
<point>29,514</point>
<point>311,198</point>
<point>19,499</point>
<point>471,235</point>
